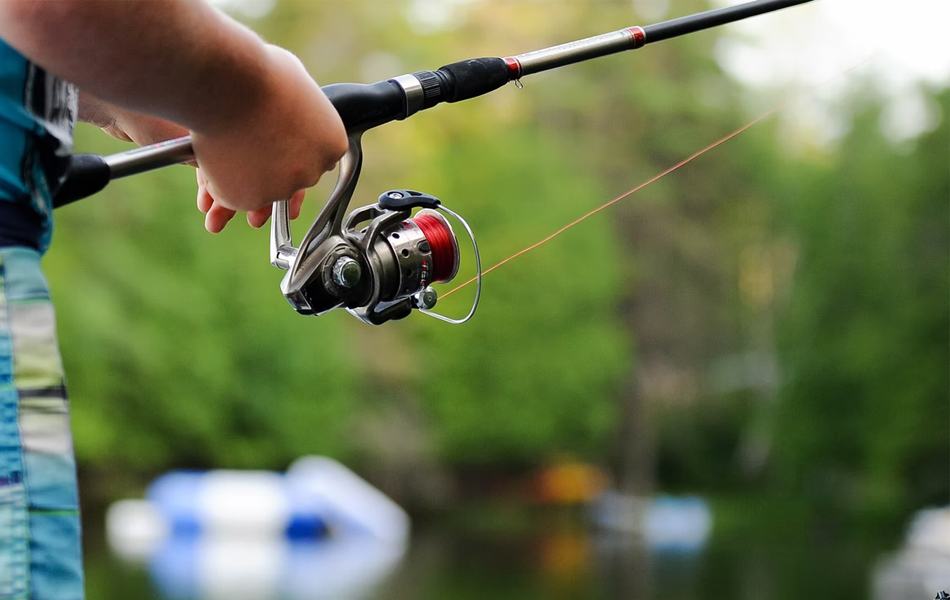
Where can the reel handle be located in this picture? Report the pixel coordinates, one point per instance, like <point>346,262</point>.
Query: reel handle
<point>282,250</point>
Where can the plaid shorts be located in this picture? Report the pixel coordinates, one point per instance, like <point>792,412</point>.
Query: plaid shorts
<point>40,551</point>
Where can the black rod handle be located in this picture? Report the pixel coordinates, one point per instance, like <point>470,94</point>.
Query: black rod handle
<point>85,175</point>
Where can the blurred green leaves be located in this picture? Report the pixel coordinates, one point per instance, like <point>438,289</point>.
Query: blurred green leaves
<point>864,418</point>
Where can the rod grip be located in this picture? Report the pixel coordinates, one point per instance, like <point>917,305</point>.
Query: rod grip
<point>85,175</point>
<point>470,78</point>
<point>363,106</point>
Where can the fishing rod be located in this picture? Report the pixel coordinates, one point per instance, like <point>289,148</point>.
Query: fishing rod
<point>380,261</point>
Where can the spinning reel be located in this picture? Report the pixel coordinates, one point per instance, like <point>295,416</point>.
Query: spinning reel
<point>379,262</point>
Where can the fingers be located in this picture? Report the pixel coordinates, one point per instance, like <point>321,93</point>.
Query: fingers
<point>143,129</point>
<point>117,132</point>
<point>256,218</point>
<point>296,201</point>
<point>217,217</point>
<point>204,198</point>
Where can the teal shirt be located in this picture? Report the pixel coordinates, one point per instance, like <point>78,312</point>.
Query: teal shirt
<point>37,113</point>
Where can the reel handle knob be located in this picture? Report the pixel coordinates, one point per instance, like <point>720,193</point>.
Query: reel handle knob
<point>425,299</point>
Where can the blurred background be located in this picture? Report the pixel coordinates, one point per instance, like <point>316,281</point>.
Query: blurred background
<point>733,384</point>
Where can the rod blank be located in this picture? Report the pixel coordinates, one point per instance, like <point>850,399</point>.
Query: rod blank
<point>632,38</point>
<point>713,18</point>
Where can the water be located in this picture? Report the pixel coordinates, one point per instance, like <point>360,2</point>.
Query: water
<point>526,554</point>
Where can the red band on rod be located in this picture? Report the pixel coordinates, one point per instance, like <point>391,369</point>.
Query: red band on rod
<point>514,68</point>
<point>639,36</point>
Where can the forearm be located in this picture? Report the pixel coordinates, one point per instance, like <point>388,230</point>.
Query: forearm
<point>180,59</point>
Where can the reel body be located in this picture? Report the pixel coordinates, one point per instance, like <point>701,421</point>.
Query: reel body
<point>379,262</point>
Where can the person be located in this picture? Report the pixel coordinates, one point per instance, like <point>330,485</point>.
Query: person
<point>144,71</point>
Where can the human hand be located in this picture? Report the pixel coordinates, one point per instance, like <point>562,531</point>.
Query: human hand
<point>274,150</point>
<point>281,145</point>
<point>217,216</point>
<point>144,129</point>
<point>126,125</point>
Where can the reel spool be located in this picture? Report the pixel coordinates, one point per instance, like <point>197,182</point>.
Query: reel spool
<point>380,261</point>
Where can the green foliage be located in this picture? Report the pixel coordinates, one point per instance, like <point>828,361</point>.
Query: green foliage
<point>864,416</point>
<point>537,372</point>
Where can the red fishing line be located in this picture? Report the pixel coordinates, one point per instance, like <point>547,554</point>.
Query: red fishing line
<point>445,250</point>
